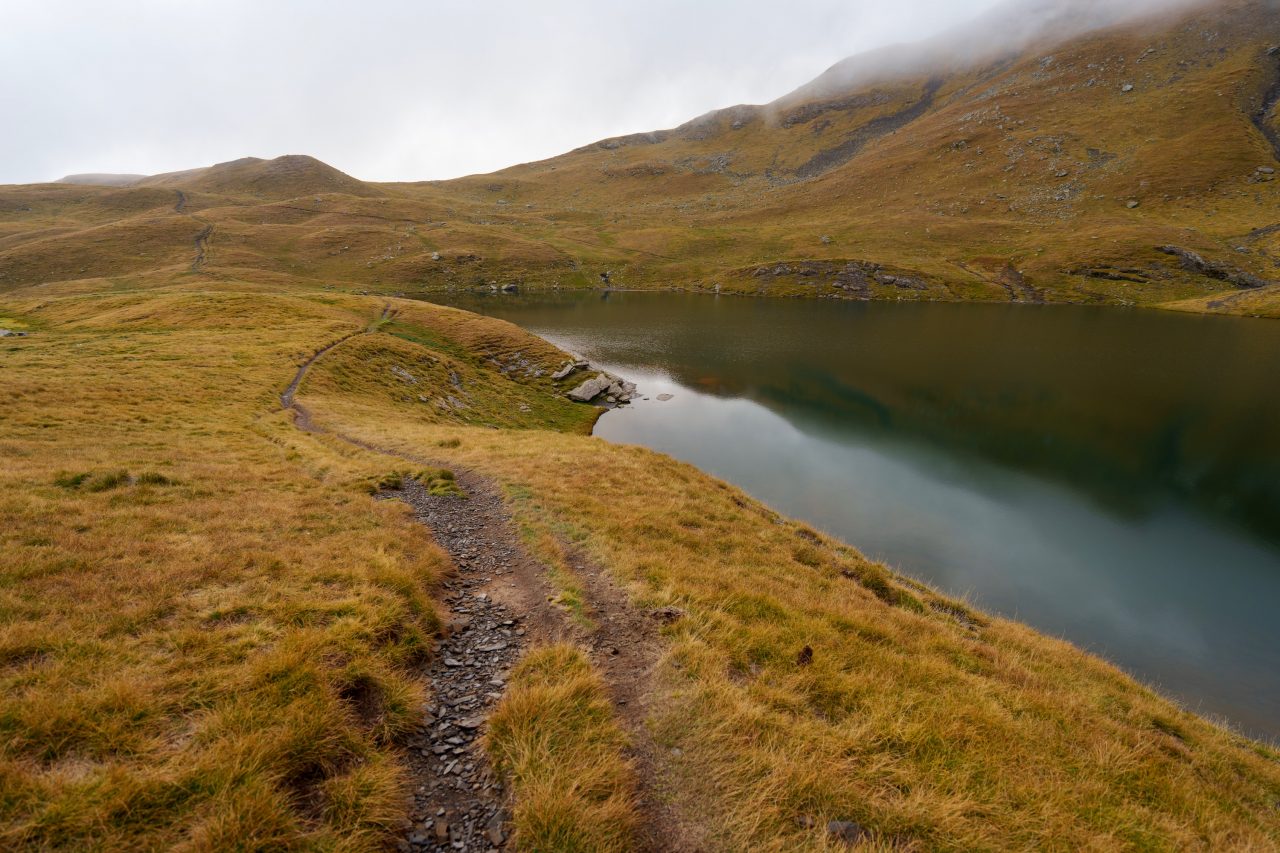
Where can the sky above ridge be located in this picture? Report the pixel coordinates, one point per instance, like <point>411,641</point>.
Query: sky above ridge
<point>391,90</point>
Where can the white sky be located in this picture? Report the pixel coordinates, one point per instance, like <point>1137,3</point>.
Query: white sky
<point>400,90</point>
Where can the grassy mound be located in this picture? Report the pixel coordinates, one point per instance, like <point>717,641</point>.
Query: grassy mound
<point>554,737</point>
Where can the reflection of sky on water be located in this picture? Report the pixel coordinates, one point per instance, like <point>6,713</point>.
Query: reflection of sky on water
<point>1051,466</point>
<point>1146,594</point>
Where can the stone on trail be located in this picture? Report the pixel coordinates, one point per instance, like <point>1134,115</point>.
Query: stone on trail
<point>494,831</point>
<point>846,831</point>
<point>667,614</point>
<point>665,397</point>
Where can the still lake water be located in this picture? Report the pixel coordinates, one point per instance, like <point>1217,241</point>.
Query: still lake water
<point>1110,476</point>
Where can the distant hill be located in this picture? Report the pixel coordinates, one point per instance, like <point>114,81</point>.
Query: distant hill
<point>284,177</point>
<point>101,180</point>
<point>1038,166</point>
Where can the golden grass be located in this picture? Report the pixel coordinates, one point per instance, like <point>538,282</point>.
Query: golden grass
<point>205,641</point>
<point>1263,302</point>
<point>554,738</point>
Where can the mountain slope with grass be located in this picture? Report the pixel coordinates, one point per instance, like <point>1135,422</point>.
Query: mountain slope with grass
<point>264,521</point>
<point>1128,164</point>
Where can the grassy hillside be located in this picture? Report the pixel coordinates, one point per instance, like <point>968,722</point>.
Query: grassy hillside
<point>211,635</point>
<point>216,630</point>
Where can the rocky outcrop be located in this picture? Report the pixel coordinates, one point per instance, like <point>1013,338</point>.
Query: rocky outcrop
<point>1193,262</point>
<point>609,389</point>
<point>852,276</point>
<point>592,388</point>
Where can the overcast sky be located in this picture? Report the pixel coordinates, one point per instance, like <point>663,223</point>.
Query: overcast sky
<point>391,90</point>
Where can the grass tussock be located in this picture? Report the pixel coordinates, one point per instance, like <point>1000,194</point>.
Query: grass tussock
<point>106,481</point>
<point>555,738</point>
<point>438,482</point>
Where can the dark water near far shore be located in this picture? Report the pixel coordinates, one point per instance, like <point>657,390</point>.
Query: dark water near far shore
<point>1110,476</point>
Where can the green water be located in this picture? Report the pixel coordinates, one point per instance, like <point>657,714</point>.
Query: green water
<point>1110,476</point>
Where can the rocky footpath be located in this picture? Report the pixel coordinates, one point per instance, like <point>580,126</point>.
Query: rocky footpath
<point>458,804</point>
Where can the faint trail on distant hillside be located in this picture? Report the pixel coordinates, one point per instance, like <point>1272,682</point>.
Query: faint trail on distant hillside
<point>499,603</point>
<point>1009,279</point>
<point>319,212</point>
<point>202,237</point>
<point>202,241</point>
<point>561,237</point>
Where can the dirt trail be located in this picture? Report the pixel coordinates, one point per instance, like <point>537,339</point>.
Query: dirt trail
<point>202,241</point>
<point>302,418</point>
<point>499,603</point>
<point>1008,279</point>
<point>202,238</point>
<point>457,804</point>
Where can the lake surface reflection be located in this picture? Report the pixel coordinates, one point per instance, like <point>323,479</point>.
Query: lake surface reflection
<point>1106,475</point>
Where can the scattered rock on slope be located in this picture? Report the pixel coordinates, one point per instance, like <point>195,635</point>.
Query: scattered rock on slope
<point>566,371</point>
